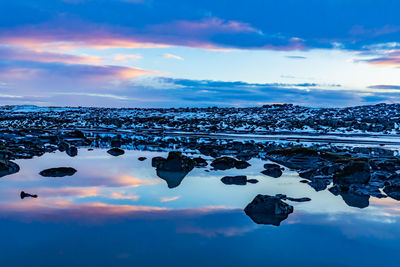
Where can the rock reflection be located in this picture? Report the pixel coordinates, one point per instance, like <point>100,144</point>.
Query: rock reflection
<point>174,168</point>
<point>266,209</point>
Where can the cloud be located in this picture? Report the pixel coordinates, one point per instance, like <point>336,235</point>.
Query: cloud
<point>296,57</point>
<point>283,25</point>
<point>169,199</point>
<point>31,69</point>
<point>171,56</point>
<point>384,86</point>
<point>11,53</point>
<point>126,58</point>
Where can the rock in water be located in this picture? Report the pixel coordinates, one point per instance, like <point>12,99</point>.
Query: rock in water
<point>355,172</point>
<point>223,163</point>
<point>8,167</point>
<point>241,164</point>
<point>301,199</point>
<point>58,172</point>
<point>156,160</point>
<point>393,191</point>
<point>142,158</point>
<point>200,162</point>
<point>24,195</point>
<point>234,180</point>
<point>116,151</point>
<point>72,151</point>
<point>266,209</point>
<point>174,168</point>
<point>273,170</point>
<point>226,163</point>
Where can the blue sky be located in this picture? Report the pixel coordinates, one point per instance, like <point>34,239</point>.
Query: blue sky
<point>169,53</point>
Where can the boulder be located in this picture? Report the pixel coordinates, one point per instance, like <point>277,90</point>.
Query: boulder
<point>72,151</point>
<point>266,209</point>
<point>200,162</point>
<point>234,180</point>
<point>8,167</point>
<point>273,170</point>
<point>116,151</point>
<point>241,164</point>
<point>226,163</point>
<point>393,191</point>
<point>355,172</point>
<point>301,158</point>
<point>142,158</point>
<point>58,172</point>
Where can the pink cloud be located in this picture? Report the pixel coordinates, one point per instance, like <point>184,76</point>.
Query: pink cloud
<point>171,56</point>
<point>168,199</point>
<point>46,57</point>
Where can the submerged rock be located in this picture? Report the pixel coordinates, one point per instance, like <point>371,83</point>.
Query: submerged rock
<point>24,195</point>
<point>273,170</point>
<point>301,158</point>
<point>116,151</point>
<point>301,199</point>
<point>355,172</point>
<point>174,168</point>
<point>58,172</point>
<point>266,209</point>
<point>8,167</point>
<point>235,180</point>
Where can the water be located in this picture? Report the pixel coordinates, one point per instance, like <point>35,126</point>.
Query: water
<point>116,211</point>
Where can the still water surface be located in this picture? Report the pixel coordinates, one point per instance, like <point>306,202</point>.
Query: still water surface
<point>116,211</point>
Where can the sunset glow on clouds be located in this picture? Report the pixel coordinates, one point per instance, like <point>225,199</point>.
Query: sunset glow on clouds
<point>117,53</point>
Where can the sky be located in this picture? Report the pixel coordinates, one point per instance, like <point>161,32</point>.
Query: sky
<point>179,53</point>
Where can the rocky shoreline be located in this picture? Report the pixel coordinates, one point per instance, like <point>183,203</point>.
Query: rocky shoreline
<point>355,173</point>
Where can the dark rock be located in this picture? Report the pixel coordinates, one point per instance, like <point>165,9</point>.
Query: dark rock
<point>58,172</point>
<point>234,180</point>
<point>319,184</point>
<point>252,181</point>
<point>273,170</point>
<point>200,162</point>
<point>156,161</point>
<point>355,172</point>
<point>72,151</point>
<point>224,163</point>
<point>266,209</point>
<point>24,195</point>
<point>174,168</point>
<point>393,191</point>
<point>241,164</point>
<point>116,151</point>
<point>302,199</point>
<point>301,158</point>
<point>142,158</point>
<point>76,134</point>
<point>8,167</point>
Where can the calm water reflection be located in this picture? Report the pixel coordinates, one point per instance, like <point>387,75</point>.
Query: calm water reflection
<point>116,211</point>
